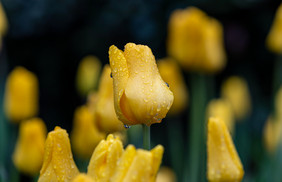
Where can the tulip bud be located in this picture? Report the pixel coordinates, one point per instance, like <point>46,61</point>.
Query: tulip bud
<point>223,162</point>
<point>220,108</point>
<point>196,41</point>
<point>58,164</point>
<point>171,74</point>
<point>274,38</point>
<point>29,151</point>
<point>85,135</point>
<point>140,94</point>
<point>278,104</point>
<point>87,74</point>
<point>235,90</point>
<point>82,178</point>
<point>138,165</point>
<point>21,95</point>
<point>103,162</point>
<point>105,111</point>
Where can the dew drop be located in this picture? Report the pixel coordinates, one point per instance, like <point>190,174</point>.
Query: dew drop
<point>126,126</point>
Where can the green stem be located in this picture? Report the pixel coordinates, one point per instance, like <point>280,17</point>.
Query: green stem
<point>176,145</point>
<point>146,137</point>
<point>195,163</point>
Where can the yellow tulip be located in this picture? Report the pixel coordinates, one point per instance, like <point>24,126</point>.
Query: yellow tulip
<point>274,38</point>
<point>223,162</point>
<point>222,109</point>
<point>87,74</point>
<point>105,111</point>
<point>166,175</point>
<point>140,94</point>
<point>103,162</point>
<point>21,95</point>
<point>171,74</point>
<point>272,134</point>
<point>85,135</point>
<point>58,164</point>
<point>82,178</point>
<point>196,40</point>
<point>29,150</point>
<point>3,24</point>
<point>278,104</point>
<point>138,165</point>
<point>91,101</point>
<point>235,90</point>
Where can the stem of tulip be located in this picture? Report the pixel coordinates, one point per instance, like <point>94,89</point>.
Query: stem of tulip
<point>196,127</point>
<point>146,137</point>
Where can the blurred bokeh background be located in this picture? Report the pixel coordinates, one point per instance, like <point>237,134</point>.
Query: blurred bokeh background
<point>50,38</point>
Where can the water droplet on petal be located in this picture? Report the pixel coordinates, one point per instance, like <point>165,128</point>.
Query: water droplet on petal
<point>126,126</point>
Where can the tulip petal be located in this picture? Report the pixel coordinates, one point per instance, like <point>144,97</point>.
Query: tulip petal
<point>104,159</point>
<point>124,164</point>
<point>147,95</point>
<point>82,178</point>
<point>58,164</point>
<point>120,76</point>
<point>224,163</point>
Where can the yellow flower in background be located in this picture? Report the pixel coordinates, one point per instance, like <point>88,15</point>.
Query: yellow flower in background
<point>85,136</point>
<point>166,174</point>
<point>87,74</point>
<point>220,108</point>
<point>235,90</point>
<point>278,104</point>
<point>103,162</point>
<point>138,165</point>
<point>223,162</point>
<point>105,111</point>
<point>196,40</point>
<point>272,134</point>
<point>3,24</point>
<point>171,74</point>
<point>29,150</point>
<point>140,94</point>
<point>82,178</point>
<point>91,101</point>
<point>274,38</point>
<point>273,126</point>
<point>58,164</point>
<point>21,95</point>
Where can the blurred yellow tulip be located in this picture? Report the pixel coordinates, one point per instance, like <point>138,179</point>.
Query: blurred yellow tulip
<point>82,178</point>
<point>274,38</point>
<point>91,101</point>
<point>138,165</point>
<point>171,74</point>
<point>87,74</point>
<point>85,136</point>
<point>21,95</point>
<point>278,104</point>
<point>58,164</point>
<point>235,90</point>
<point>196,40</point>
<point>140,94</point>
<point>222,109</point>
<point>223,162</point>
<point>29,150</point>
<point>3,24</point>
<point>272,134</point>
<point>103,162</point>
<point>166,175</point>
<point>105,111</point>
